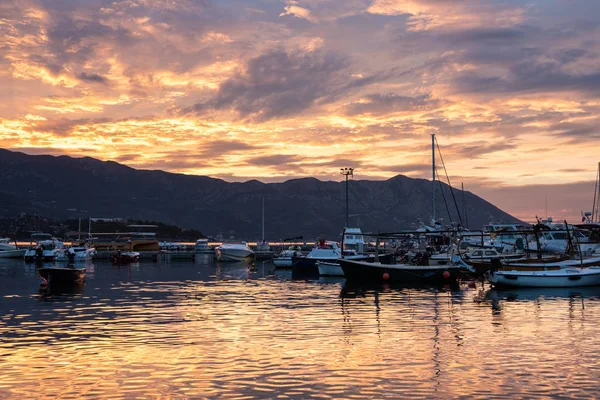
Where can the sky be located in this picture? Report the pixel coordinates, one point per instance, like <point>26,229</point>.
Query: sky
<point>281,89</point>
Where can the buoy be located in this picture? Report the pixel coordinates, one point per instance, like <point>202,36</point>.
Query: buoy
<point>472,284</point>
<point>386,276</point>
<point>446,274</point>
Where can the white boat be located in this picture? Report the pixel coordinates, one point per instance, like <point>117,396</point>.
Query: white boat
<point>75,254</point>
<point>233,252</point>
<point>202,247</point>
<point>284,258</point>
<point>557,236</point>
<point>43,247</point>
<point>8,250</point>
<point>563,277</point>
<point>327,268</point>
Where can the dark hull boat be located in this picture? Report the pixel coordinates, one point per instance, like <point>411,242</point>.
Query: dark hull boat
<point>59,276</point>
<point>361,271</point>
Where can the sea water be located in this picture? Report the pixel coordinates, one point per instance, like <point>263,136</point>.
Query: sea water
<point>203,329</point>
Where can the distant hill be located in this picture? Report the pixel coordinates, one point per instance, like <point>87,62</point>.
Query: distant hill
<point>66,187</point>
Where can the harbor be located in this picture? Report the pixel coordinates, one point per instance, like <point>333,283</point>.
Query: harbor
<point>206,329</point>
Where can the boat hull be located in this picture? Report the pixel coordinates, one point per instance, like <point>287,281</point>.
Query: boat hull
<point>234,255</point>
<point>329,269</point>
<point>12,253</point>
<point>282,262</point>
<point>358,271</point>
<point>561,278</point>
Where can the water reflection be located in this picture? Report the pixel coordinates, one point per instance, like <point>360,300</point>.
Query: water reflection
<point>211,330</point>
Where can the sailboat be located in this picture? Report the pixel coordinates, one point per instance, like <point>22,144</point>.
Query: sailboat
<point>263,249</point>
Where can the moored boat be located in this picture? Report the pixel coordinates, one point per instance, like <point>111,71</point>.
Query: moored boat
<point>43,247</point>
<point>75,254</point>
<point>58,276</point>
<point>330,268</point>
<point>401,273</point>
<point>202,247</point>
<point>8,250</point>
<point>284,258</point>
<point>562,277</point>
<point>324,250</point>
<point>125,257</point>
<point>234,252</point>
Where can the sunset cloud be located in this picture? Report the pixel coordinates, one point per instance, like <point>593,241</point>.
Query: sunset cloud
<point>275,90</point>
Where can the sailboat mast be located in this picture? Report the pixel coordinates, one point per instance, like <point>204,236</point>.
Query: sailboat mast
<point>433,171</point>
<point>263,219</point>
<point>595,207</point>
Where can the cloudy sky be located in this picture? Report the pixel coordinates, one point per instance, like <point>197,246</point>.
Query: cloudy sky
<point>278,89</point>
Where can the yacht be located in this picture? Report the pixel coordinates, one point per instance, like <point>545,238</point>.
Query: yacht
<point>234,252</point>
<point>8,250</point>
<point>202,247</point>
<point>43,247</point>
<point>557,236</point>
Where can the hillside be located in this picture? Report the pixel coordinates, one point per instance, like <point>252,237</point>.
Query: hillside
<point>66,187</point>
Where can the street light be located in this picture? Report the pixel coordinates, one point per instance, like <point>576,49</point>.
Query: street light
<point>347,172</point>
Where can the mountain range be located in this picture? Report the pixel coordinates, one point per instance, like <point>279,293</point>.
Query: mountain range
<point>67,187</point>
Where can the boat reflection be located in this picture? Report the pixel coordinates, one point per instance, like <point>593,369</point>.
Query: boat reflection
<point>529,294</point>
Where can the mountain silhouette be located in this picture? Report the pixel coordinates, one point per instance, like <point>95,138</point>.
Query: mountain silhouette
<point>67,187</point>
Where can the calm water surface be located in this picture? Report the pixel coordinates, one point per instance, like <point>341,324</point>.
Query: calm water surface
<point>207,330</point>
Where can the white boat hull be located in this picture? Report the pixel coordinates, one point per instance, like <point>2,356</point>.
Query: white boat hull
<point>227,254</point>
<point>80,256</point>
<point>18,253</point>
<point>282,262</point>
<point>566,277</point>
<point>329,269</point>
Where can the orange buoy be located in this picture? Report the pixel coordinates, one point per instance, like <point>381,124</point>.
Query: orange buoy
<point>446,274</point>
<point>386,276</point>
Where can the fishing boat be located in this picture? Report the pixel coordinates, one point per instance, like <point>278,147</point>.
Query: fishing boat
<point>560,277</point>
<point>327,268</point>
<point>8,250</point>
<point>59,276</point>
<point>365,271</point>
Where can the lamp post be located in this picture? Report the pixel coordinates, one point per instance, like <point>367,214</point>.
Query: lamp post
<point>347,172</point>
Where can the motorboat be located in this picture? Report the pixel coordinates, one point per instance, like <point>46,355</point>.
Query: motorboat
<point>234,252</point>
<point>324,250</point>
<point>559,238</point>
<point>43,247</point>
<point>263,250</point>
<point>125,257</point>
<point>8,250</point>
<point>284,258</point>
<point>202,247</point>
<point>75,253</point>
